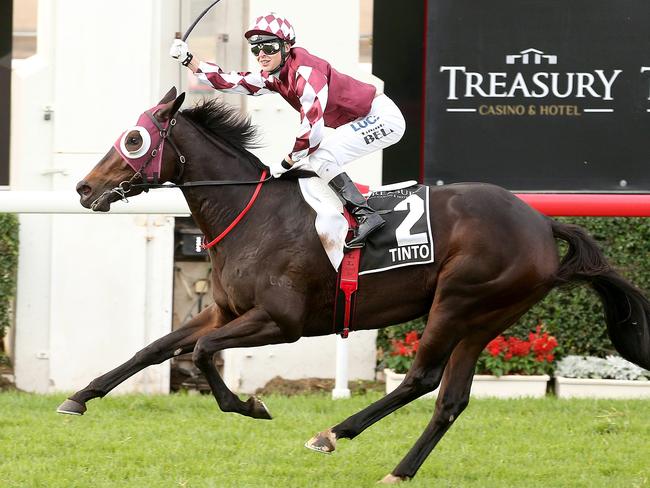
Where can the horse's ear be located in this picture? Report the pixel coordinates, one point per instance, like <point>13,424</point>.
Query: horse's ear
<point>171,94</point>
<point>171,108</point>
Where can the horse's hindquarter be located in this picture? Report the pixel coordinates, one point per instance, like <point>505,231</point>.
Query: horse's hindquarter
<point>493,240</point>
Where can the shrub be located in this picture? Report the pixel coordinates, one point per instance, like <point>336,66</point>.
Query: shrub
<point>387,336</point>
<point>8,265</point>
<point>611,367</point>
<point>402,352</point>
<point>503,355</point>
<point>511,355</point>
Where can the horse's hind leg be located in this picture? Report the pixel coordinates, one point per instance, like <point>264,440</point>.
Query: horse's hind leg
<point>452,400</point>
<point>180,341</point>
<point>438,340</point>
<point>456,385</point>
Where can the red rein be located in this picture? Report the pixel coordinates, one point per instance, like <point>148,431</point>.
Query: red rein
<point>239,217</point>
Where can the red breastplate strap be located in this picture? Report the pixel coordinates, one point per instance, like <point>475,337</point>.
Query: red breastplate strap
<point>234,223</point>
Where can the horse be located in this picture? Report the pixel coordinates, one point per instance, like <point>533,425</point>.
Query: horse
<point>272,282</point>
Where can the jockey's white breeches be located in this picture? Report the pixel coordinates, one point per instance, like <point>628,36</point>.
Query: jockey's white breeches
<point>382,127</point>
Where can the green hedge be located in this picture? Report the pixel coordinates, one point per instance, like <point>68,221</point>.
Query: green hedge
<point>575,315</point>
<point>8,265</point>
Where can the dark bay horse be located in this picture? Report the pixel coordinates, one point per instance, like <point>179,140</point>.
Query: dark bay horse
<point>273,283</point>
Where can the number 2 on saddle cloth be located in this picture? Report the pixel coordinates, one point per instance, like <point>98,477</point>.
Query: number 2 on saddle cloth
<point>404,240</point>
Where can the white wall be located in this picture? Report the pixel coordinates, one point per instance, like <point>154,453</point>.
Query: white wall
<point>83,303</point>
<point>246,370</point>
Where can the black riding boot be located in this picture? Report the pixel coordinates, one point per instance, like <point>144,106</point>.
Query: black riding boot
<point>356,204</point>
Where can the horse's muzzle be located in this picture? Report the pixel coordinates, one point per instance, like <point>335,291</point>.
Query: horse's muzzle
<point>89,199</point>
<point>85,193</point>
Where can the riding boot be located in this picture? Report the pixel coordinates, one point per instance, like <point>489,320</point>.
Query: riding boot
<point>367,219</point>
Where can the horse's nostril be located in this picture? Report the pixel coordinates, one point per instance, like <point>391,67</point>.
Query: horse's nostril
<point>83,189</point>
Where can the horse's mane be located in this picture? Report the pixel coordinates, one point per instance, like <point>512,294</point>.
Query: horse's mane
<point>225,122</point>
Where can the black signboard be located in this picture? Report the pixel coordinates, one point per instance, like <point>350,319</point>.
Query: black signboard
<point>5,84</point>
<point>398,59</point>
<point>539,95</point>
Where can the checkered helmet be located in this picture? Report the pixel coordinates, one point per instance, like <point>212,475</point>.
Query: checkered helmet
<point>268,26</point>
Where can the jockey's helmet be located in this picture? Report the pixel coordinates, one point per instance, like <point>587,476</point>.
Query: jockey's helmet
<point>270,27</point>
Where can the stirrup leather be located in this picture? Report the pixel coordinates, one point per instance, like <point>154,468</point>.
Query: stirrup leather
<point>367,219</point>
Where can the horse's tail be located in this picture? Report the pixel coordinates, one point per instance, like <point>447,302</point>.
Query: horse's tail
<point>627,310</point>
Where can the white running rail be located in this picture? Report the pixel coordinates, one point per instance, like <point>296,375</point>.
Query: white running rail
<point>164,201</point>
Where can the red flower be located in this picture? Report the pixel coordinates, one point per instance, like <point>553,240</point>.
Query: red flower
<point>496,345</point>
<point>408,347</point>
<point>411,337</point>
<point>513,355</point>
<point>518,347</point>
<point>398,348</point>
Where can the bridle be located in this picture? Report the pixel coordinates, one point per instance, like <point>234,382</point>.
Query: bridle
<point>141,180</point>
<point>140,175</point>
<point>158,133</point>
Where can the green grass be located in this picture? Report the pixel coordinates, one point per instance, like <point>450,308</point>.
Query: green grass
<point>185,440</point>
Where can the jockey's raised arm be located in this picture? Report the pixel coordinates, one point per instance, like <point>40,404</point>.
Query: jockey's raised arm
<point>365,121</point>
<point>243,83</point>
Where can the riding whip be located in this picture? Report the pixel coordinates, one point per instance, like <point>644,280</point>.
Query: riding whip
<point>191,27</point>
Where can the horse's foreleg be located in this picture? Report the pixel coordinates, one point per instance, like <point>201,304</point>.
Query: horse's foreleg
<point>254,328</point>
<point>178,342</point>
<point>436,344</point>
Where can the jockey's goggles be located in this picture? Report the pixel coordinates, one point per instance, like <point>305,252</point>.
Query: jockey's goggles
<point>268,48</point>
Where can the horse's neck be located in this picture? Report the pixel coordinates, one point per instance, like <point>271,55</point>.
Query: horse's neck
<point>215,207</point>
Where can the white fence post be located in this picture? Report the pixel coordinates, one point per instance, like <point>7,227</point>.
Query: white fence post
<point>341,389</point>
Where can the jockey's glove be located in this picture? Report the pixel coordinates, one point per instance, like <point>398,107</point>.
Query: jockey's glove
<point>279,168</point>
<point>180,50</point>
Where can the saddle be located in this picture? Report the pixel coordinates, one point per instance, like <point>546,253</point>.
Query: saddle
<point>405,239</point>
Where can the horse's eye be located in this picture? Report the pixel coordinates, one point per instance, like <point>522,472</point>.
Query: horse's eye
<point>135,142</point>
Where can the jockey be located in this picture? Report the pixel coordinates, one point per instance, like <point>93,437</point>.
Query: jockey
<point>365,120</point>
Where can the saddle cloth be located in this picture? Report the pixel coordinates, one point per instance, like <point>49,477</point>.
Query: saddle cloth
<point>405,240</point>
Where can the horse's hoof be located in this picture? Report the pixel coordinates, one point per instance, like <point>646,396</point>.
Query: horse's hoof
<point>391,479</point>
<point>70,407</point>
<point>258,410</point>
<point>324,442</point>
